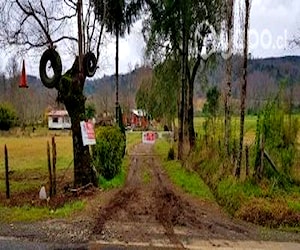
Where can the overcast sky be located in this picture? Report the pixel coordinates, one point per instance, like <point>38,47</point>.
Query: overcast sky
<point>273,23</point>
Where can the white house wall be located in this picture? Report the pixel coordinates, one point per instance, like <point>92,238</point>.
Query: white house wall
<point>61,124</point>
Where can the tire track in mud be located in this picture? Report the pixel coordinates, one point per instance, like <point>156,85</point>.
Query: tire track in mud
<point>155,210</point>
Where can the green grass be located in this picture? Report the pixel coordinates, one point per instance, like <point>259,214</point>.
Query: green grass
<point>146,176</point>
<point>190,182</point>
<point>250,126</point>
<point>18,186</point>
<point>232,193</point>
<point>28,213</point>
<point>31,152</point>
<point>132,138</point>
<point>294,204</point>
<point>162,148</point>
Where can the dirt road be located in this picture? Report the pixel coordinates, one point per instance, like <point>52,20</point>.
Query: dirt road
<point>149,210</point>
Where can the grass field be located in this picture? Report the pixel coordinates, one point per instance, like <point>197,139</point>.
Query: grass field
<point>28,165</point>
<point>31,152</point>
<point>250,127</point>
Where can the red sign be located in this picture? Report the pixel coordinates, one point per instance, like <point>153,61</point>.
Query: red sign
<point>148,137</point>
<point>88,133</point>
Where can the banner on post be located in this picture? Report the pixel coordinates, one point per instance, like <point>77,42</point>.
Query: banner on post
<point>148,137</point>
<point>88,133</point>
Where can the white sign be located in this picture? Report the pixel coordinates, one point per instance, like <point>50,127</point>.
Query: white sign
<point>148,137</point>
<point>88,133</point>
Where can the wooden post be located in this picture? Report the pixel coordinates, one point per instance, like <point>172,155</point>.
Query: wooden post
<point>54,164</point>
<point>247,160</point>
<point>262,155</point>
<point>6,173</point>
<point>49,169</point>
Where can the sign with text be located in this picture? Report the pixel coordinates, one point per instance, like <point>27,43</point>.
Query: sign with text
<point>148,137</point>
<point>88,133</point>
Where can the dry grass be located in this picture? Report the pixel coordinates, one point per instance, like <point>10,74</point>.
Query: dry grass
<point>31,152</point>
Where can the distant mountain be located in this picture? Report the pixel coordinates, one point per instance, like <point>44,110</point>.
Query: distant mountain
<point>264,77</point>
<point>279,68</point>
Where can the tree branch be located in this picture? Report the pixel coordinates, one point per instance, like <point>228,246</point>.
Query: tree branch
<point>32,13</point>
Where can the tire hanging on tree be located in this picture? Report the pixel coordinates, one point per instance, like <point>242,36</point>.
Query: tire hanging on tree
<point>89,64</point>
<point>54,58</point>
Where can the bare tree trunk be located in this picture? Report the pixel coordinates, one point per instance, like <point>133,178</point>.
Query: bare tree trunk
<point>117,76</point>
<point>71,94</point>
<point>181,130</point>
<point>230,19</point>
<point>191,115</point>
<point>82,159</point>
<point>243,89</point>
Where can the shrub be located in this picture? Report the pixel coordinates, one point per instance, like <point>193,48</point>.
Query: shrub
<point>272,213</point>
<point>109,151</point>
<point>8,116</point>
<point>171,154</point>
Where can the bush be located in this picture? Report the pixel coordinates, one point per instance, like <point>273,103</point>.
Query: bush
<point>171,154</point>
<point>108,151</point>
<point>272,213</point>
<point>8,116</point>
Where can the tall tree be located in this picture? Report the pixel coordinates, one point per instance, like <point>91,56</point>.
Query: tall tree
<point>229,21</point>
<point>159,94</point>
<point>243,87</point>
<point>118,16</point>
<point>42,24</point>
<point>183,27</point>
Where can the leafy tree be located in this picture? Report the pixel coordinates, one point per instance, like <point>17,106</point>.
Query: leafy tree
<point>8,116</point>
<point>43,24</point>
<point>244,86</point>
<point>182,28</point>
<point>211,106</point>
<point>118,16</point>
<point>159,95</point>
<point>90,111</point>
<point>229,20</point>
<point>276,134</point>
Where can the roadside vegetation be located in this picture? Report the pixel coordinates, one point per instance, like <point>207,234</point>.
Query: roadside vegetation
<point>272,199</point>
<point>189,181</point>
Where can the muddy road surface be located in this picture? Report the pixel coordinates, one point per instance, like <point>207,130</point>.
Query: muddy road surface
<point>151,211</point>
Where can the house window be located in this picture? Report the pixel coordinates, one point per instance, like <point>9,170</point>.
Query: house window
<point>55,119</point>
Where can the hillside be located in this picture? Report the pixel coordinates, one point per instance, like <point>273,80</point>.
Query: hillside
<point>265,76</point>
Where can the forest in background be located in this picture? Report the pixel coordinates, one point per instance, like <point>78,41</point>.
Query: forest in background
<point>264,79</point>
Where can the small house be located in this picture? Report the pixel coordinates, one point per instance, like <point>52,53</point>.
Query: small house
<point>59,119</point>
<point>138,119</point>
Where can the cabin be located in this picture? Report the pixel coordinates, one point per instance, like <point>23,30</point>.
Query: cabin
<point>59,119</point>
<point>138,118</point>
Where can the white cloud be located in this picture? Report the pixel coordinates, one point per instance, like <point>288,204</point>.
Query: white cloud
<point>273,24</point>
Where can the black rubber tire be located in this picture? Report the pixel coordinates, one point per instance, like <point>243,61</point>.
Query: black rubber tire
<point>89,64</point>
<point>52,56</point>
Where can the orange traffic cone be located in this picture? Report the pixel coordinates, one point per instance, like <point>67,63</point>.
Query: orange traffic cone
<point>23,79</point>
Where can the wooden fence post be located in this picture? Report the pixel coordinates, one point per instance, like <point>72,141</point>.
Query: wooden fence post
<point>49,169</point>
<point>6,173</point>
<point>54,164</point>
<point>262,155</point>
<point>247,160</point>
